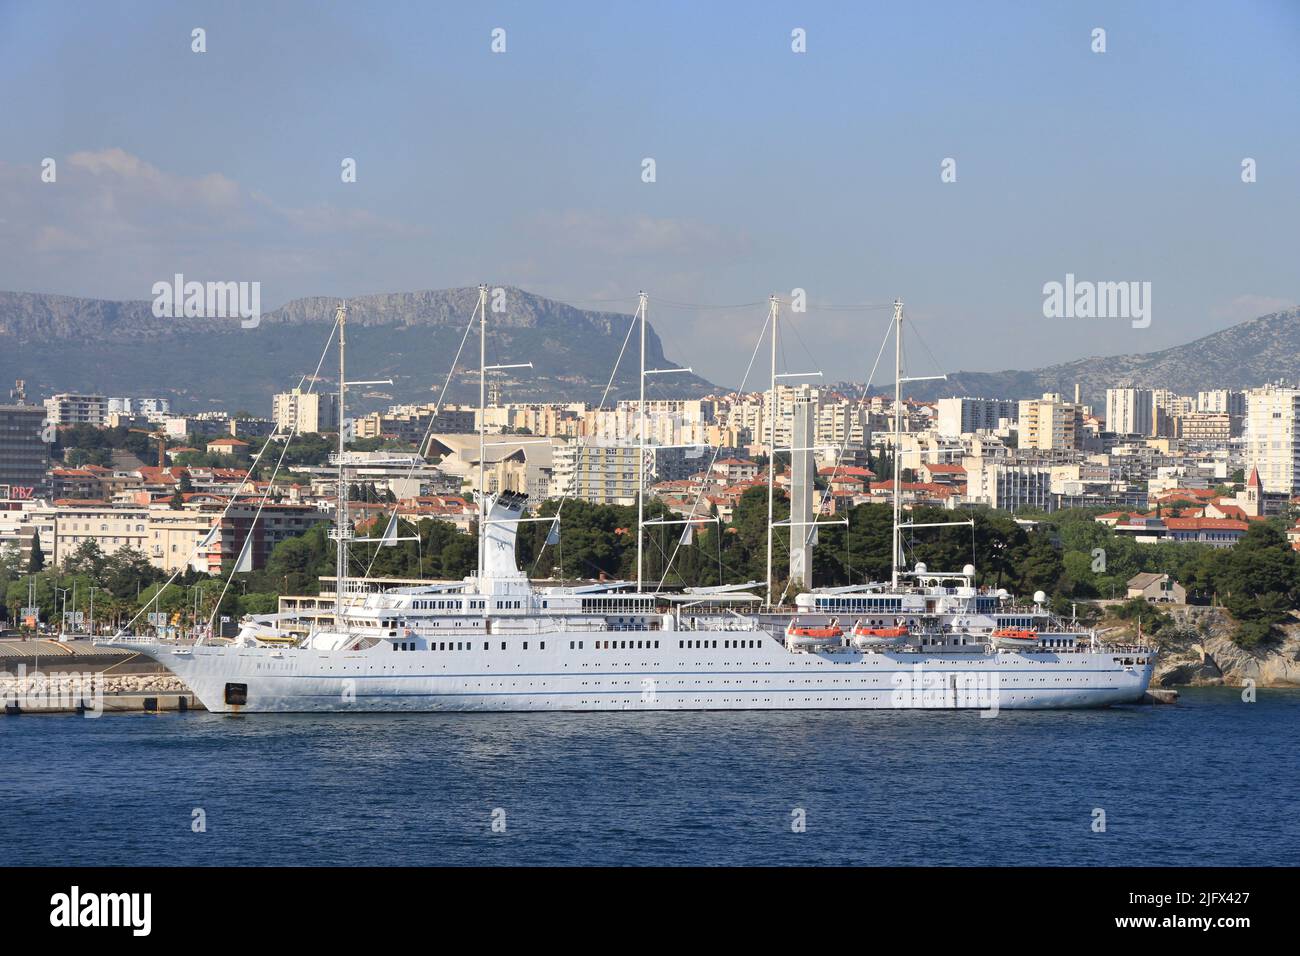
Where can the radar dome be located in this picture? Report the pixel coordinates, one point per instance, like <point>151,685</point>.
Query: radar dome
<point>920,567</point>
<point>969,570</point>
<point>1039,597</point>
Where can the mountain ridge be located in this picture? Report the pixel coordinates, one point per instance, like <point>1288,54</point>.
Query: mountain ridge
<point>67,343</point>
<point>409,336</point>
<point>1244,355</point>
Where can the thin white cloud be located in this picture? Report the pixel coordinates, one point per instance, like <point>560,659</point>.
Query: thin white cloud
<point>112,223</point>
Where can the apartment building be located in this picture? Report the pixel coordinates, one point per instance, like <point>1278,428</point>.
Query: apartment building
<point>1222,400</point>
<point>965,416</point>
<point>110,526</point>
<point>68,409</point>
<point>1272,440</point>
<point>1130,411</point>
<point>1209,428</point>
<point>308,412</point>
<point>1050,423</point>
<point>24,454</point>
<point>605,474</point>
<point>1008,486</point>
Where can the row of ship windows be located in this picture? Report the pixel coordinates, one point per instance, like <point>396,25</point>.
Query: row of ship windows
<point>458,645</point>
<point>860,604</point>
<point>580,645</point>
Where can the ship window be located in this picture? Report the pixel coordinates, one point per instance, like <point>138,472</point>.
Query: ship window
<point>525,645</point>
<point>543,645</point>
<point>503,645</point>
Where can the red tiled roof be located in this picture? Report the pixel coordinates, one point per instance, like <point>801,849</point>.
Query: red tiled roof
<point>1205,524</point>
<point>1174,494</point>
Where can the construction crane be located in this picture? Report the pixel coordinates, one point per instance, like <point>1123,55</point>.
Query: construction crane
<point>162,443</point>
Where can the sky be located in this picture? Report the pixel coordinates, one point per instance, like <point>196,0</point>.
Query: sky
<point>774,170</point>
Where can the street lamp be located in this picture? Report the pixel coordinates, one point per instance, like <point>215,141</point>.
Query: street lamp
<point>93,589</point>
<point>63,616</point>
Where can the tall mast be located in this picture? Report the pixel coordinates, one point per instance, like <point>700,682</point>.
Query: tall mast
<point>772,316</point>
<point>342,526</point>
<point>898,434</point>
<point>640,450</point>
<point>482,426</point>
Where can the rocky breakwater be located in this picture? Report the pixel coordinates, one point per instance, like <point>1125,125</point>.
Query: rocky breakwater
<point>64,691</point>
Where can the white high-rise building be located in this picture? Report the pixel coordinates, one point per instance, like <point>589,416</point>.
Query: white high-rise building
<point>1130,411</point>
<point>68,409</point>
<point>965,416</point>
<point>310,412</point>
<point>1272,439</point>
<point>1222,401</point>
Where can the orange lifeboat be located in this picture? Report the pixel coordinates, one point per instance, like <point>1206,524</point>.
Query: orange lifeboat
<point>797,630</point>
<point>802,637</point>
<point>863,631</point>
<point>865,636</point>
<point>1014,637</point>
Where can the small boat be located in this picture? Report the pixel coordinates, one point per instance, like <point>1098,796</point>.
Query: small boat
<point>1012,637</point>
<point>276,640</point>
<point>865,636</point>
<point>807,637</point>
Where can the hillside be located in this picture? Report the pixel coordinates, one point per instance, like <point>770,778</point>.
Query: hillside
<point>61,343</point>
<point>1243,356</point>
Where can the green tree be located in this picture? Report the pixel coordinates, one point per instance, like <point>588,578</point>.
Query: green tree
<point>87,559</point>
<point>1257,579</point>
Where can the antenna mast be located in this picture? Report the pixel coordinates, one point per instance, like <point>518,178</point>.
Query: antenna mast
<point>640,447</point>
<point>482,425</point>
<point>342,528</point>
<point>772,316</point>
<point>898,432</point>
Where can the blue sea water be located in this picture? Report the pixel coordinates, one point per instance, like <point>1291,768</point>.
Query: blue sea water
<point>1210,781</point>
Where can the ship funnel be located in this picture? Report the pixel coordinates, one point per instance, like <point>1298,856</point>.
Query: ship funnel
<point>503,511</point>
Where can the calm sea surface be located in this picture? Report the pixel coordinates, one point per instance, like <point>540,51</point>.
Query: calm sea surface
<point>1210,781</point>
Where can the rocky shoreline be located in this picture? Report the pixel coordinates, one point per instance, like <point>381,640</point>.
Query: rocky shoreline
<point>1199,652</point>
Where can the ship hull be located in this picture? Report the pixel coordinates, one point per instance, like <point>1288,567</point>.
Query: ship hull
<point>767,677</point>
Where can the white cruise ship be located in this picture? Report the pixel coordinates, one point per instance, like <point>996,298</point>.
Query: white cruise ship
<point>494,642</point>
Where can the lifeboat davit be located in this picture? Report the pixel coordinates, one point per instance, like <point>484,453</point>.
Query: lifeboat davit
<point>1010,637</point>
<point>805,637</point>
<point>864,636</point>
